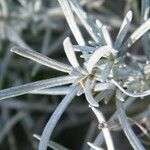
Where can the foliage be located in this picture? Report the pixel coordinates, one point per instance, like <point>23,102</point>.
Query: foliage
<point>107,69</point>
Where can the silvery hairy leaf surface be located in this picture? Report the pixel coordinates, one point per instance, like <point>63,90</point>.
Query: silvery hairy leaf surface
<point>74,74</point>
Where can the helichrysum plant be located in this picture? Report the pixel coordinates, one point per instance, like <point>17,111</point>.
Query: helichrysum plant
<point>104,72</point>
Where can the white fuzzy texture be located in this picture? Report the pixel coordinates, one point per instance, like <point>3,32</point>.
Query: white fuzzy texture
<point>89,95</point>
<point>100,52</point>
<point>138,33</point>
<point>71,21</point>
<point>105,131</point>
<point>41,59</point>
<point>68,47</point>
<point>123,30</point>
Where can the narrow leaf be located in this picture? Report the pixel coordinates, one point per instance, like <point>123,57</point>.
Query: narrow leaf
<point>55,117</point>
<point>88,94</point>
<point>100,52</point>
<point>127,128</point>
<point>100,138</point>
<point>53,91</point>
<point>106,36</point>
<point>34,86</point>
<point>68,47</point>
<point>123,30</point>
<point>37,57</point>
<point>135,36</point>
<point>107,135</point>
<point>71,21</point>
<point>140,94</point>
<point>87,23</point>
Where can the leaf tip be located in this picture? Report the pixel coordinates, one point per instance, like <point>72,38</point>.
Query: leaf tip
<point>130,15</point>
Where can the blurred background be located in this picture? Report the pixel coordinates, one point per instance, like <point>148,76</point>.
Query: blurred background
<point>40,25</point>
